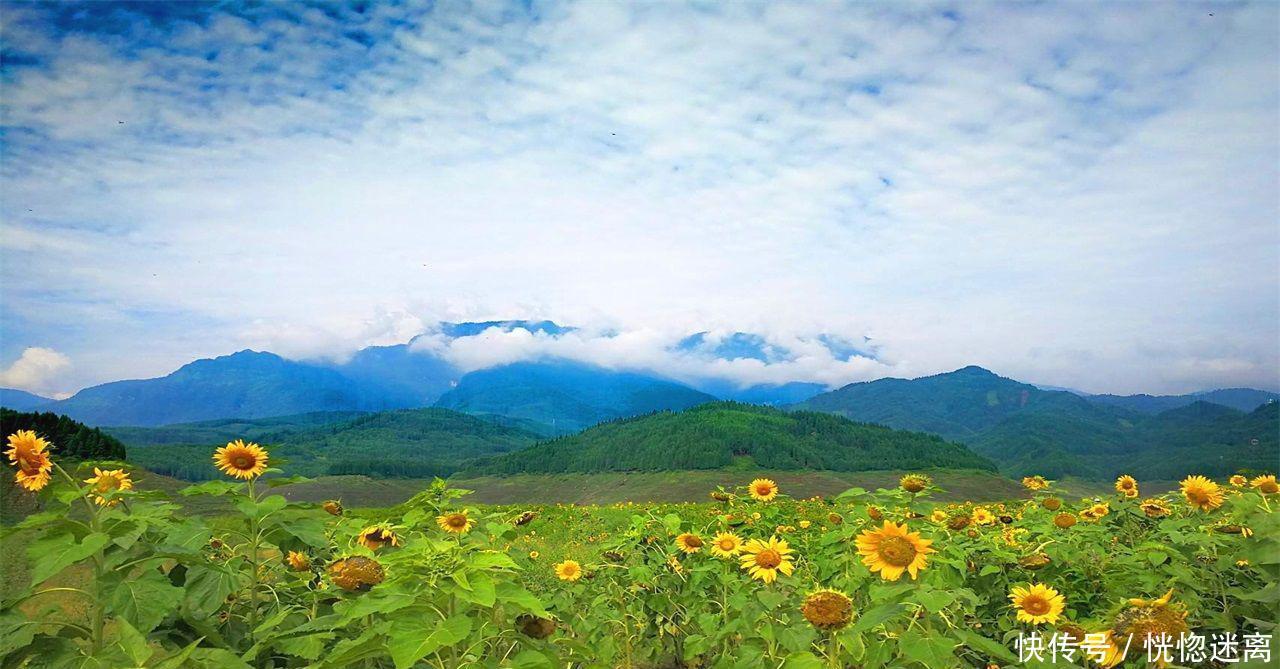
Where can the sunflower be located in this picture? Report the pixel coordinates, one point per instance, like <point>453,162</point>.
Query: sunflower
<point>241,460</point>
<point>106,480</point>
<point>569,570</point>
<point>1051,503</point>
<point>534,627</point>
<point>1238,481</point>
<point>763,490</point>
<point>827,610</point>
<point>377,536</point>
<point>1127,485</point>
<point>726,545</point>
<point>1266,484</point>
<point>1034,561</point>
<point>914,483</point>
<point>1096,512</point>
<point>892,550</point>
<point>875,514</point>
<point>1144,620</point>
<point>1037,604</point>
<point>1201,493</point>
<point>835,518</point>
<point>689,542</point>
<point>455,523</point>
<point>29,453</point>
<point>357,574</point>
<point>1064,520</point>
<point>1034,483</point>
<point>332,507</point>
<point>938,516</point>
<point>983,516</point>
<point>533,555</point>
<point>297,561</point>
<point>764,559</point>
<point>525,518</point>
<point>1154,507</point>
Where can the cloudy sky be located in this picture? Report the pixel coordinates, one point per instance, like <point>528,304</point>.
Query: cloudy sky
<point>1075,194</point>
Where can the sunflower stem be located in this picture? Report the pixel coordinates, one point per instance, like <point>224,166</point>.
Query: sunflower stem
<point>253,566</point>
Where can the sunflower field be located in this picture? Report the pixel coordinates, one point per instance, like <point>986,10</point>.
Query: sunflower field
<point>122,577</point>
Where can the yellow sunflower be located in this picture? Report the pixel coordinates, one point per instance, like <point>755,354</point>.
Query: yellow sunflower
<point>29,453</point>
<point>1238,481</point>
<point>763,490</point>
<point>1266,484</point>
<point>1202,493</point>
<point>726,545</point>
<point>1034,483</point>
<point>892,550</point>
<point>297,561</point>
<point>1127,485</point>
<point>983,516</point>
<point>1144,620</point>
<point>1037,604</point>
<point>1064,520</point>
<point>356,573</point>
<point>377,536</point>
<point>332,507</point>
<point>914,483</point>
<point>1154,507</point>
<point>455,523</point>
<point>938,516</point>
<point>804,524</point>
<point>764,559</point>
<point>827,610</point>
<point>241,460</point>
<point>1096,512</point>
<point>689,542</point>
<point>106,480</point>
<point>569,570</point>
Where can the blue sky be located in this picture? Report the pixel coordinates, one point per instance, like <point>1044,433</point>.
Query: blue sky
<point>1076,194</point>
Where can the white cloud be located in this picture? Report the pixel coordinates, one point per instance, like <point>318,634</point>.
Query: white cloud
<point>1012,185</point>
<point>37,370</point>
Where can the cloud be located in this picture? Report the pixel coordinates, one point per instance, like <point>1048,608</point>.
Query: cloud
<point>1000,184</point>
<point>37,370</point>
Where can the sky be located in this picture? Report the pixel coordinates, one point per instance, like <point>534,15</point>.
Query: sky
<point>1074,194</point>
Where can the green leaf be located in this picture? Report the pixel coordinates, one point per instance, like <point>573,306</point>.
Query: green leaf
<point>493,560</point>
<point>308,647</point>
<point>207,589</point>
<point>805,660</point>
<point>179,660</point>
<point>353,609</point>
<point>532,659</point>
<point>513,593</point>
<point>52,555</point>
<point>873,617</point>
<point>986,646</point>
<point>133,643</point>
<point>935,652</point>
<point>411,642</point>
<point>215,488</point>
<point>934,600</point>
<point>482,590</point>
<point>145,601</point>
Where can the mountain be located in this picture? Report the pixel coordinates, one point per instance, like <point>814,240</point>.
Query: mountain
<point>405,442</point>
<point>768,394</point>
<point>1032,431</point>
<point>21,400</point>
<point>248,384</point>
<point>1241,399</point>
<point>720,434</point>
<point>399,376</point>
<point>566,395</point>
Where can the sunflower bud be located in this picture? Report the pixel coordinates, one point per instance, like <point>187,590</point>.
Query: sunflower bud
<point>535,627</point>
<point>827,610</point>
<point>332,507</point>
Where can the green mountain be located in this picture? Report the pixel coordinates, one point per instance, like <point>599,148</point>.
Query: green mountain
<point>1032,431</point>
<point>1241,399</point>
<point>21,400</point>
<point>567,396</point>
<point>68,438</point>
<point>403,443</point>
<point>720,434</point>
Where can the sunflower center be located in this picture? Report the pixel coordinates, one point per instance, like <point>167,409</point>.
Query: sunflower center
<point>1269,487</point>
<point>457,520</point>
<point>243,461</point>
<point>763,490</point>
<point>768,559</point>
<point>897,551</point>
<point>1198,496</point>
<point>693,542</point>
<point>727,544</point>
<point>1035,605</point>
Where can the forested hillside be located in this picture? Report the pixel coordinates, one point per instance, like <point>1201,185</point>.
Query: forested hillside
<point>725,433</point>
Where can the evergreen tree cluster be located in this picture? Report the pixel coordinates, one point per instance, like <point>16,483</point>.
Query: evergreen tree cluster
<point>67,438</point>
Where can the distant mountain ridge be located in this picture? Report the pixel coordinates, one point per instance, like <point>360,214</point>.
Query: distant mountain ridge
<point>721,434</point>
<point>21,400</point>
<point>1033,431</point>
<point>1240,399</point>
